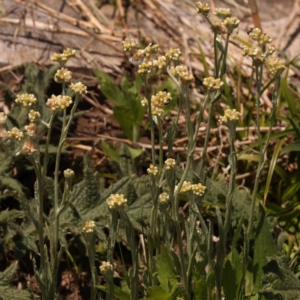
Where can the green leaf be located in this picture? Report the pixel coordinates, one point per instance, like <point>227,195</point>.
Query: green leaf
<point>200,292</point>
<point>294,146</point>
<point>166,274</point>
<point>291,191</point>
<point>295,126</point>
<point>264,246</point>
<point>126,119</point>
<point>8,293</point>
<point>118,293</point>
<point>7,274</point>
<point>109,88</point>
<point>232,276</point>
<point>110,151</point>
<point>272,166</point>
<point>288,96</point>
<point>134,153</point>
<point>157,293</point>
<point>279,282</point>
<point>10,215</point>
<point>11,183</point>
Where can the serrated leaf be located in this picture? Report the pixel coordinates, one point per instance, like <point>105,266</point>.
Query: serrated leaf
<point>10,215</point>
<point>166,274</point>
<point>7,275</point>
<point>125,161</point>
<point>264,247</point>
<point>11,183</point>
<point>109,88</point>
<point>110,151</point>
<point>8,293</point>
<point>200,292</point>
<point>157,293</point>
<point>294,146</point>
<point>118,293</point>
<point>279,280</point>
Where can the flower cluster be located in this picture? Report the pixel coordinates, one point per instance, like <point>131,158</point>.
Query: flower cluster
<point>158,101</point>
<point>277,66</point>
<point>33,116</point>
<point>78,88</point>
<point>262,38</point>
<point>89,226</point>
<point>202,8</point>
<point>31,129</point>
<point>26,99</point>
<point>213,84</point>
<point>198,189</point>
<point>170,163</point>
<point>129,44</point>
<point>163,198</point>
<point>63,75</point>
<point>15,134</point>
<point>250,51</point>
<point>173,54</point>
<point>59,102</point>
<point>160,63</point>
<point>152,170</point>
<point>3,118</point>
<point>29,147</point>
<point>145,67</point>
<point>186,187</point>
<point>223,13</point>
<point>62,58</point>
<point>106,267</point>
<point>115,201</point>
<point>230,115</point>
<point>68,173</point>
<point>231,23</point>
<point>182,72</point>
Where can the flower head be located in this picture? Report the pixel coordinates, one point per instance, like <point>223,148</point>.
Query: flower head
<point>202,8</point>
<point>231,23</point>
<point>230,116</point>
<point>152,170</point>
<point>213,84</point>
<point>34,116</point>
<point>255,34</point>
<point>186,187</point>
<point>223,13</point>
<point>78,88</point>
<point>218,27</point>
<point>89,226</point>
<point>29,148</point>
<point>198,189</point>
<point>26,99</point>
<point>106,267</point>
<point>252,52</point>
<point>62,58</point>
<point>145,67</point>
<point>31,129</point>
<point>182,72</point>
<point>160,63</point>
<point>59,102</point>
<point>277,66</point>
<point>68,173</point>
<point>129,44</point>
<point>163,198</point>
<point>173,54</point>
<point>170,163</point>
<point>15,134</point>
<point>115,201</point>
<point>3,118</point>
<point>63,75</point>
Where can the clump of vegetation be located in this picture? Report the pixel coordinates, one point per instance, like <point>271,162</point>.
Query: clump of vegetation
<point>176,251</point>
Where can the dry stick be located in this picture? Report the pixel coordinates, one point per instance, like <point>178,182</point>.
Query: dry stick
<point>255,16</point>
<point>122,15</point>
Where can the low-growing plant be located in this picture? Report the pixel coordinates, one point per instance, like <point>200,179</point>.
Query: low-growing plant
<point>175,251</point>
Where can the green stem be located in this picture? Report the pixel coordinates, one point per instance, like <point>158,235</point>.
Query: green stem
<point>161,153</point>
<point>46,156</point>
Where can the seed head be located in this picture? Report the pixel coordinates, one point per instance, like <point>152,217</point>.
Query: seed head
<point>29,148</point>
<point>31,129</point>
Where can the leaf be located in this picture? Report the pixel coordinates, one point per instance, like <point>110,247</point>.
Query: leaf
<point>157,293</point>
<point>7,274</point>
<point>118,293</point>
<point>125,118</point>
<point>10,215</point>
<point>109,88</point>
<point>294,146</point>
<point>264,246</point>
<point>272,167</point>
<point>166,274</point>
<point>110,151</point>
<point>125,161</point>
<point>134,153</point>
<point>232,276</point>
<point>8,293</point>
<point>200,292</point>
<point>288,96</point>
<point>279,280</point>
<point>295,126</point>
<point>11,183</point>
